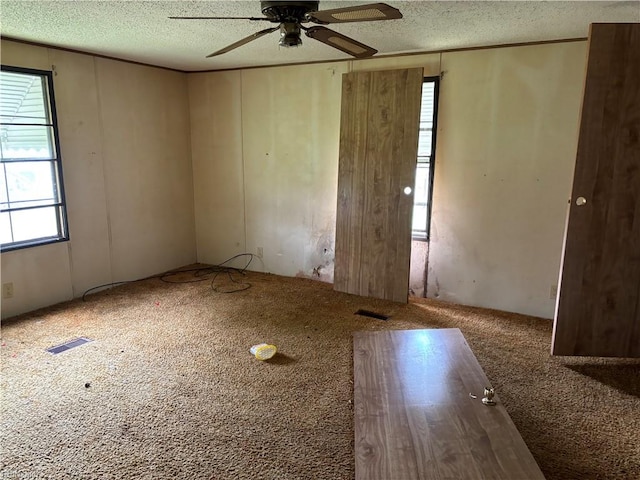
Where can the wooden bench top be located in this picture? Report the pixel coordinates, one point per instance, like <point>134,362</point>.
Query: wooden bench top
<point>415,419</point>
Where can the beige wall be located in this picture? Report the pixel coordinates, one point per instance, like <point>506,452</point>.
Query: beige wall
<point>264,149</point>
<point>218,169</point>
<point>505,153</point>
<point>290,146</point>
<point>506,146</point>
<point>124,134</point>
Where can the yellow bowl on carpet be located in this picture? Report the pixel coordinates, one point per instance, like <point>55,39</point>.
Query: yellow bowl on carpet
<point>263,351</point>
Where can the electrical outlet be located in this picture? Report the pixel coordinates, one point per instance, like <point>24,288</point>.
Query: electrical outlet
<point>553,292</point>
<point>260,252</point>
<point>7,290</point>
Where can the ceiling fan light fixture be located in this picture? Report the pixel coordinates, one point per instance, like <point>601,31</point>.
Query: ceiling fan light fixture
<point>290,35</point>
<point>290,41</point>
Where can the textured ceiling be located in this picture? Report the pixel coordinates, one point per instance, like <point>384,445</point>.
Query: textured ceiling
<point>141,31</point>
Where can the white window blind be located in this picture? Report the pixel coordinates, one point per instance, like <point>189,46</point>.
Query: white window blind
<point>424,177</point>
<point>32,210</point>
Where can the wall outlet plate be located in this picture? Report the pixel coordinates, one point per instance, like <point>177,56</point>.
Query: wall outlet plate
<point>7,290</point>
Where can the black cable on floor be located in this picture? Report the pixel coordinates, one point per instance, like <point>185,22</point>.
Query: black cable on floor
<point>112,284</point>
<point>200,274</point>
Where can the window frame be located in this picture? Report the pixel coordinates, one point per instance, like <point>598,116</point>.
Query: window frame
<point>56,165</point>
<point>432,157</point>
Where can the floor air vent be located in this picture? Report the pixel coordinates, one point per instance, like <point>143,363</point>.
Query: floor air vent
<point>368,313</point>
<point>68,345</point>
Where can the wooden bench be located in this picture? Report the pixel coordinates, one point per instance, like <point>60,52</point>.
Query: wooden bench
<point>415,417</point>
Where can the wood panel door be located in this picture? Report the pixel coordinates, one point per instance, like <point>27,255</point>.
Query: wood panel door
<point>380,117</point>
<point>598,311</point>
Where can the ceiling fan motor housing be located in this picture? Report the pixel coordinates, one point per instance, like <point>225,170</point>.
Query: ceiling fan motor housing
<point>286,11</point>
<point>289,15</point>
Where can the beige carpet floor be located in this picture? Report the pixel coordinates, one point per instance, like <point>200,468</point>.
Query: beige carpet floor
<point>167,388</point>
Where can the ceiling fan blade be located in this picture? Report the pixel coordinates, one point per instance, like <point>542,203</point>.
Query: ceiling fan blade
<point>221,18</point>
<point>239,43</point>
<point>357,13</point>
<point>341,42</point>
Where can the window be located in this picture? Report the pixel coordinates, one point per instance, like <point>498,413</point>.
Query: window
<point>32,209</point>
<point>424,169</point>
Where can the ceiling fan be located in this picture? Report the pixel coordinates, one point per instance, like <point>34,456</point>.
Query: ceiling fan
<point>290,16</point>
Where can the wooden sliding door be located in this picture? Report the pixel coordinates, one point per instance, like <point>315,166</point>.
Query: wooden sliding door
<point>598,311</point>
<point>378,149</point>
